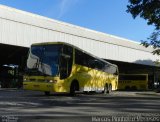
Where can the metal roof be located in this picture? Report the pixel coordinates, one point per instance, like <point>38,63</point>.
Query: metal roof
<point>24,28</point>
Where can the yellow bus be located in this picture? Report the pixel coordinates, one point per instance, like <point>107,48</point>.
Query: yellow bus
<point>62,67</point>
<point>133,82</point>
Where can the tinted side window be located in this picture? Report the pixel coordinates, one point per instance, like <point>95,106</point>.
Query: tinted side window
<point>79,57</point>
<point>68,51</point>
<point>91,62</point>
<point>66,61</point>
<point>110,69</point>
<point>132,77</point>
<point>84,59</point>
<point>99,65</point>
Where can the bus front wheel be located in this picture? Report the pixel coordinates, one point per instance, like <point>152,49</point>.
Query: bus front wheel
<point>74,87</point>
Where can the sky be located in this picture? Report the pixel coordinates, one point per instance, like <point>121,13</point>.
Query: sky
<point>108,16</point>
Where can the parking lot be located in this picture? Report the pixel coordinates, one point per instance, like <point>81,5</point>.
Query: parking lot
<point>33,104</point>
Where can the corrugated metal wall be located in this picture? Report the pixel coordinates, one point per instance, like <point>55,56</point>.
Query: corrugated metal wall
<point>22,29</point>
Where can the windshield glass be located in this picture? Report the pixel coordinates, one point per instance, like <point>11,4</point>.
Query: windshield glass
<point>44,60</point>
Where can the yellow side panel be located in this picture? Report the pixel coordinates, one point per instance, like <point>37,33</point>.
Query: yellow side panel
<point>139,84</point>
<point>93,79</point>
<point>88,79</point>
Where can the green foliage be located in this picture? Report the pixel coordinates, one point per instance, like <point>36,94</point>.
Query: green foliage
<point>150,11</point>
<point>147,9</point>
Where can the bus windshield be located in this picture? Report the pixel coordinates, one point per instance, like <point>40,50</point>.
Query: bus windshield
<point>44,60</point>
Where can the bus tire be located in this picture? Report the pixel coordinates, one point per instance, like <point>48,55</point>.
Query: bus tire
<point>47,93</point>
<point>106,90</point>
<point>74,87</point>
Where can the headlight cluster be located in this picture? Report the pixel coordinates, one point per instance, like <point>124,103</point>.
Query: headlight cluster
<point>25,79</point>
<point>40,80</point>
<point>51,81</point>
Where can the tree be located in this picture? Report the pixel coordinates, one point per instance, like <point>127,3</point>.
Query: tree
<point>150,11</point>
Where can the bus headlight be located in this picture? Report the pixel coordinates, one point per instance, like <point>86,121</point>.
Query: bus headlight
<point>53,81</point>
<point>25,79</point>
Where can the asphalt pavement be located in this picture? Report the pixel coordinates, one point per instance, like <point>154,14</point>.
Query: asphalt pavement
<point>21,105</point>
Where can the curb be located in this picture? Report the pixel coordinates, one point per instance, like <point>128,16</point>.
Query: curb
<point>149,94</point>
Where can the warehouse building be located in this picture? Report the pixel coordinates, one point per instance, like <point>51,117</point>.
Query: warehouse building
<point>19,29</point>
